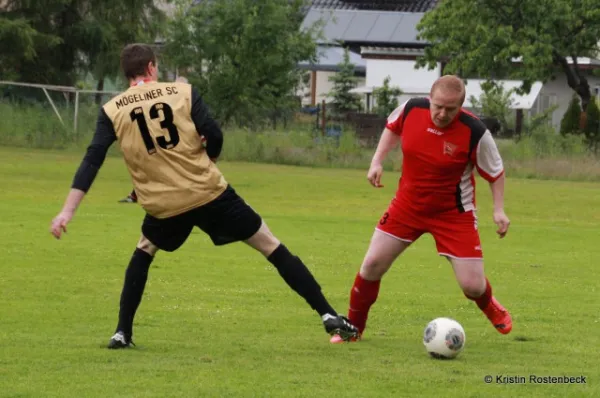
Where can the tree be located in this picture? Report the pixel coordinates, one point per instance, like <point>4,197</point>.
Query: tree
<point>110,26</point>
<point>56,41</point>
<point>485,37</point>
<point>386,98</point>
<point>343,81</point>
<point>570,121</point>
<point>55,28</point>
<point>242,55</point>
<point>592,125</point>
<point>495,103</point>
<point>20,43</point>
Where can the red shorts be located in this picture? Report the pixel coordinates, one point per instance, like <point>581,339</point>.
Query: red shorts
<point>455,233</point>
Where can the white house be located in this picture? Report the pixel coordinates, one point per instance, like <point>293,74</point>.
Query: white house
<point>400,65</point>
<point>344,21</point>
<point>387,43</point>
<point>318,85</point>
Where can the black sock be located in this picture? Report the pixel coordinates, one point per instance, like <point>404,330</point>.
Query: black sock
<point>133,289</point>
<point>299,278</point>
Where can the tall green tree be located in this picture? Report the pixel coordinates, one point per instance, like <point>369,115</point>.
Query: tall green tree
<point>110,25</point>
<point>46,46</point>
<point>543,34</point>
<point>55,41</point>
<point>386,98</point>
<point>242,55</point>
<point>19,45</point>
<point>344,80</point>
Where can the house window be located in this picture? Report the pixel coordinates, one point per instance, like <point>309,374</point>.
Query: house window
<point>542,103</point>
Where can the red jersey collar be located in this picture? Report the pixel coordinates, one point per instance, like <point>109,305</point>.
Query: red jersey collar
<point>141,81</point>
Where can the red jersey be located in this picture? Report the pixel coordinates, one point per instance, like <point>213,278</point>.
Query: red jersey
<point>438,163</point>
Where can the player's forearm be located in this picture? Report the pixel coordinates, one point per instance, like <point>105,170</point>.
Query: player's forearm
<point>207,126</point>
<point>214,140</point>
<point>86,173</point>
<point>95,154</point>
<point>74,198</point>
<point>387,142</point>
<point>497,188</point>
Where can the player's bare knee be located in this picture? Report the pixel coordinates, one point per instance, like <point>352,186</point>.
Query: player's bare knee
<point>264,241</point>
<point>472,286</point>
<point>374,268</point>
<point>470,276</point>
<point>147,246</point>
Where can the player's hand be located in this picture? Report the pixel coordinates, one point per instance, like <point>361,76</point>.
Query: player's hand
<point>374,175</point>
<point>59,224</point>
<point>502,221</point>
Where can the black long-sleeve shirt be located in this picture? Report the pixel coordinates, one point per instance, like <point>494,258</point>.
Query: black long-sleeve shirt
<point>105,136</point>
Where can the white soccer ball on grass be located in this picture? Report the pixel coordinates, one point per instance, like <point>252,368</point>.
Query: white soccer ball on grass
<point>444,338</point>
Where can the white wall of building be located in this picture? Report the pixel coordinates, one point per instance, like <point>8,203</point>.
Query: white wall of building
<point>417,82</point>
<point>558,92</point>
<point>323,88</point>
<point>402,74</point>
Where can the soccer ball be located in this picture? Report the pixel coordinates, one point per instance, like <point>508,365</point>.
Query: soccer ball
<point>444,338</point>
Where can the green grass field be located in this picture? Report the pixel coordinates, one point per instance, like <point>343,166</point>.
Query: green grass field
<point>218,322</point>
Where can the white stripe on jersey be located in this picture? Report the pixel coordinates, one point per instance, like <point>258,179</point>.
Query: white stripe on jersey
<point>488,160</point>
<point>396,113</point>
<point>487,156</point>
<point>467,188</point>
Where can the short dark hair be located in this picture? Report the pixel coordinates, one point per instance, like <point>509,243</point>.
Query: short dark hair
<point>135,59</point>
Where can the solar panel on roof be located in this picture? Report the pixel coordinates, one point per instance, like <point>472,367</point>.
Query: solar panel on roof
<point>367,26</point>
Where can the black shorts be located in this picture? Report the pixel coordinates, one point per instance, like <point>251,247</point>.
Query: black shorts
<point>226,219</point>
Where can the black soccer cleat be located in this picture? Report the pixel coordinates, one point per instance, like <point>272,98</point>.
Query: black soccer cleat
<point>120,341</point>
<point>128,199</point>
<point>341,326</point>
<point>131,198</point>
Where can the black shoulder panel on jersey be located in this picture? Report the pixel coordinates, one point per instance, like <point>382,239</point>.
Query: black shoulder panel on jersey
<point>412,103</point>
<point>478,129</point>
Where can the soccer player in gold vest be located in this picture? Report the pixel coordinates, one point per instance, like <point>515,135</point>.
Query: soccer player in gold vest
<point>160,128</point>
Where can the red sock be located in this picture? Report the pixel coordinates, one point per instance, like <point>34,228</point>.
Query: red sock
<point>362,296</point>
<point>483,300</point>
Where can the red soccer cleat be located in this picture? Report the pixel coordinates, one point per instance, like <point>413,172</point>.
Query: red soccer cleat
<point>337,339</point>
<point>498,316</point>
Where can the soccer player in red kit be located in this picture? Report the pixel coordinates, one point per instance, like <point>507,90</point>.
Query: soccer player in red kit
<point>442,144</point>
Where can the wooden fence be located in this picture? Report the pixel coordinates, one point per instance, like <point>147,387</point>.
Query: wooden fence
<point>368,126</point>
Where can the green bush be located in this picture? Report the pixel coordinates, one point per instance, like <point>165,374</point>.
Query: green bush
<point>570,121</point>
<point>544,142</point>
<point>592,126</point>
<point>33,126</point>
<point>300,147</point>
<point>539,153</point>
<point>386,98</point>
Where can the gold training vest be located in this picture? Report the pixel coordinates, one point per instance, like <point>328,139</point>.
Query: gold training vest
<point>163,152</point>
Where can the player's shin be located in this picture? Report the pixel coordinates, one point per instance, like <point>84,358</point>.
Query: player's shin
<point>483,300</point>
<point>300,279</point>
<point>493,310</point>
<point>362,296</point>
<point>133,289</point>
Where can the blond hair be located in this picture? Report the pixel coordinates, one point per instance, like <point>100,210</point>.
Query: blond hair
<point>451,84</point>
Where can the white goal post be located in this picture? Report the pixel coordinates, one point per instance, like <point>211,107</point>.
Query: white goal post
<point>64,90</point>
